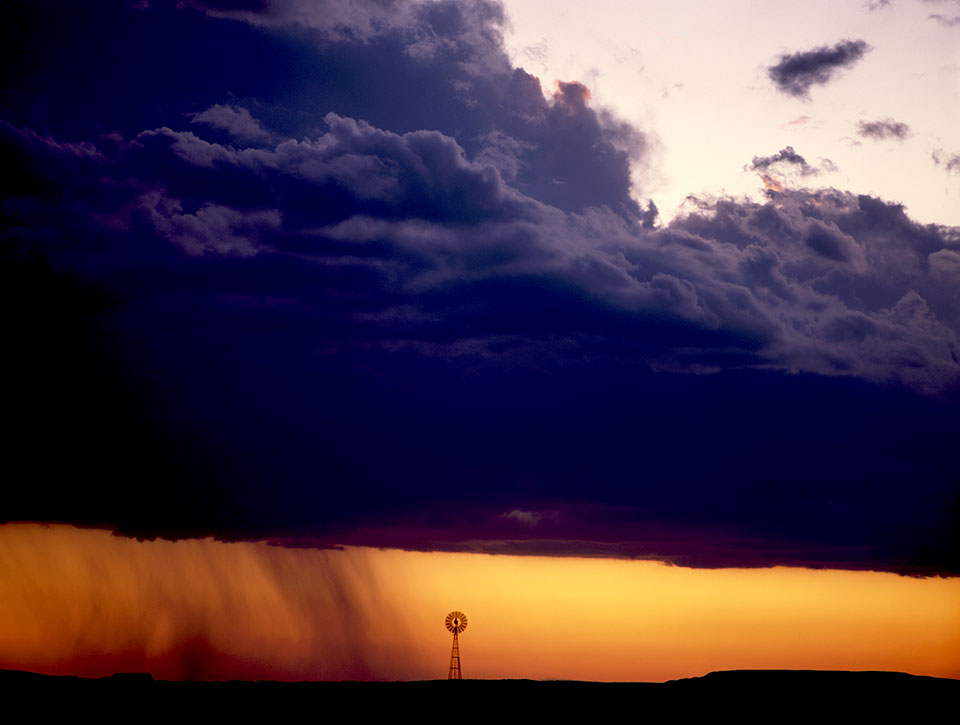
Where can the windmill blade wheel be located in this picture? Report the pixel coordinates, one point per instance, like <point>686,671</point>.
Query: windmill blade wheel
<point>456,622</point>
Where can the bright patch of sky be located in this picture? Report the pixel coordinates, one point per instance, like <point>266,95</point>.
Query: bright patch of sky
<point>693,76</point>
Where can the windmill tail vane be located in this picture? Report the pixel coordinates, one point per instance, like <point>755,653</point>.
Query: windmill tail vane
<point>455,622</point>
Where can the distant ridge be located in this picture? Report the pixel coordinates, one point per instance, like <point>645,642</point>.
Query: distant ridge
<point>750,695</point>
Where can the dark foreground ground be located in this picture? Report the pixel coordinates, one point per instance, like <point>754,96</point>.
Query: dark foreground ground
<point>739,695</point>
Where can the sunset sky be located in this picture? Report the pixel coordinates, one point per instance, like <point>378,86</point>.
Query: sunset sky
<point>630,329</point>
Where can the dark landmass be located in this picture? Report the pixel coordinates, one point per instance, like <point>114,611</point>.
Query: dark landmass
<point>752,695</point>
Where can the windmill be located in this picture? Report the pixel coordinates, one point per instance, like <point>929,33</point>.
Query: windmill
<point>456,622</point>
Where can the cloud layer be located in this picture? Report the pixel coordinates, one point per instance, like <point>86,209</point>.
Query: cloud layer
<point>390,290</point>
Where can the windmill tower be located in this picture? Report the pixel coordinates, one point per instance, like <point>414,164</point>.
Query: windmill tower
<point>456,622</point>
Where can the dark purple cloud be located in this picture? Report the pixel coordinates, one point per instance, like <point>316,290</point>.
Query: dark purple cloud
<point>883,129</point>
<point>796,73</point>
<point>385,289</point>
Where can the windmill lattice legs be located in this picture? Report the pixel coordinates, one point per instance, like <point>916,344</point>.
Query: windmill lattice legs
<point>454,673</point>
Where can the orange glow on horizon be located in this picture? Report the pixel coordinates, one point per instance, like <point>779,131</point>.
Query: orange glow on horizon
<point>83,601</point>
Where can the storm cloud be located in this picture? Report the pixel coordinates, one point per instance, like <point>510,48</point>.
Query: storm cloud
<point>303,310</point>
<point>796,73</point>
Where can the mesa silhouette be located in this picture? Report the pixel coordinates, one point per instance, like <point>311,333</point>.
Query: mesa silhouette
<point>769,695</point>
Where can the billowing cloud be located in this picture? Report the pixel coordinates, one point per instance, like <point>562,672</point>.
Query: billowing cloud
<point>795,73</point>
<point>236,121</point>
<point>883,129</point>
<point>406,289</point>
<point>443,224</point>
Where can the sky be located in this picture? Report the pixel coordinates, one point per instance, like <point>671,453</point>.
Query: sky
<point>652,301</point>
<point>205,609</point>
<point>696,76</point>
